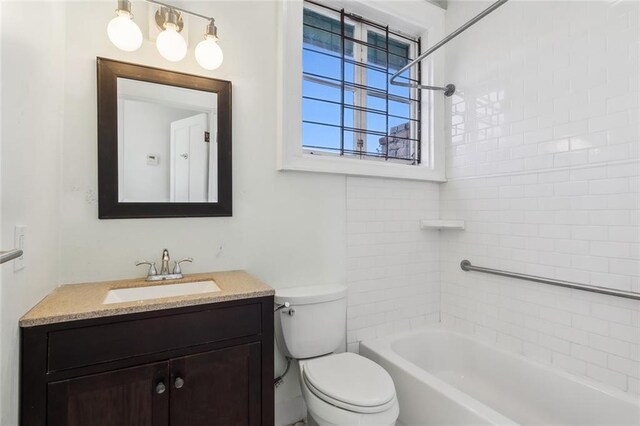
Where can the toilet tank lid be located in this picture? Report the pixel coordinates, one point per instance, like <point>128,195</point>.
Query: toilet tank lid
<point>310,294</point>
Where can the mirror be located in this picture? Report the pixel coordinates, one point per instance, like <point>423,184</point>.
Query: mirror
<point>164,143</point>
<point>164,134</point>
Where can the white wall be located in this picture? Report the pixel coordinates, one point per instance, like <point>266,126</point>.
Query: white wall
<point>287,229</point>
<point>32,115</point>
<point>543,161</point>
<point>267,204</point>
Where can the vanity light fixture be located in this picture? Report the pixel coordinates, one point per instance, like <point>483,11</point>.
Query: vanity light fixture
<point>208,53</point>
<point>126,35</point>
<point>170,43</point>
<point>122,31</point>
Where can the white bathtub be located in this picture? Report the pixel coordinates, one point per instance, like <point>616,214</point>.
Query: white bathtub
<point>447,378</point>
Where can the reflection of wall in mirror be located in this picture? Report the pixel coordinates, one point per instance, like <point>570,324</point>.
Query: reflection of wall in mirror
<point>146,112</point>
<point>146,131</point>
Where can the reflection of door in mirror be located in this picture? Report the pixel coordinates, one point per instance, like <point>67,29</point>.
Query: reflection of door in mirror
<point>166,143</point>
<point>189,177</point>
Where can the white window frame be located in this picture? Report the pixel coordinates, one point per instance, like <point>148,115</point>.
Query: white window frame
<point>430,27</point>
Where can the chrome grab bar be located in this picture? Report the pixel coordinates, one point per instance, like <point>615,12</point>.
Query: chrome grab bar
<point>6,256</point>
<point>449,89</point>
<point>466,265</point>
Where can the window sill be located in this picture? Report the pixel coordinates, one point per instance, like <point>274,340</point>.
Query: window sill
<point>353,167</point>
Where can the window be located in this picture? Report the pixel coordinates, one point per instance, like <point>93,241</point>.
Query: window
<point>349,108</point>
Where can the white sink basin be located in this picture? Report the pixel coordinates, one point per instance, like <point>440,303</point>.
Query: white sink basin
<point>134,294</point>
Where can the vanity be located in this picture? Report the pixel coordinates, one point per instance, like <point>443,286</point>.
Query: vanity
<point>96,354</point>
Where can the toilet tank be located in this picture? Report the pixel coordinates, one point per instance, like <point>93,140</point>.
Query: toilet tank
<point>315,323</point>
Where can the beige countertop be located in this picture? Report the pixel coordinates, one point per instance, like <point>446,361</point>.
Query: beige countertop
<point>82,301</point>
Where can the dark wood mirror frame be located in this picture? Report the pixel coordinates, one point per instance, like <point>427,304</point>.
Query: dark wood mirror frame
<point>109,206</point>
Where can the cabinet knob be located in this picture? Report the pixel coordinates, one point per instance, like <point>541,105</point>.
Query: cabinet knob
<point>179,382</point>
<point>160,388</point>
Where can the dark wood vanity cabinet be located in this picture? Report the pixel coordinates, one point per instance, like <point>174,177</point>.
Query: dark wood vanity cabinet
<point>199,365</point>
<point>222,385</point>
<point>116,397</point>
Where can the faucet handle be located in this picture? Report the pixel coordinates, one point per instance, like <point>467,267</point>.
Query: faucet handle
<point>152,267</point>
<point>177,269</point>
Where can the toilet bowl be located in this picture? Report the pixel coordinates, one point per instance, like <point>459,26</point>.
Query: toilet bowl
<point>339,389</point>
<point>348,389</point>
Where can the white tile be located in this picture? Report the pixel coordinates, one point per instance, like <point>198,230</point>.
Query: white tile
<point>571,188</point>
<point>554,146</point>
<point>592,356</point>
<point>572,334</point>
<point>590,233</point>
<point>389,290</point>
<point>591,324</point>
<point>609,153</point>
<point>607,122</point>
<point>607,376</point>
<point>609,345</point>
<point>609,186</point>
<point>569,209</point>
<point>624,267</point>
<point>625,366</point>
<point>568,363</point>
<point>571,129</point>
<point>627,333</point>
<point>555,344</point>
<point>611,313</point>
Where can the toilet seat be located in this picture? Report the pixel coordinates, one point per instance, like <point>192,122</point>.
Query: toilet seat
<point>351,382</point>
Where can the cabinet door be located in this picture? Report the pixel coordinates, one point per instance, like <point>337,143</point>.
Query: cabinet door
<point>220,387</point>
<point>137,396</point>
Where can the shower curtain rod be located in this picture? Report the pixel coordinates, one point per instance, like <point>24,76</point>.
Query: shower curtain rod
<point>449,89</point>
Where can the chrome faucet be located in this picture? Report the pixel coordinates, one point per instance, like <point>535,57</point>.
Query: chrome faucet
<point>153,275</point>
<point>165,262</point>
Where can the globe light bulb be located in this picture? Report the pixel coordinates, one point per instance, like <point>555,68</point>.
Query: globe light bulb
<point>123,32</point>
<point>171,45</point>
<point>208,53</point>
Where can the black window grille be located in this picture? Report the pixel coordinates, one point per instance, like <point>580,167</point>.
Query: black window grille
<point>349,107</point>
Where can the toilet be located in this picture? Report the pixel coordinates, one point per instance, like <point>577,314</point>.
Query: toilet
<point>339,389</point>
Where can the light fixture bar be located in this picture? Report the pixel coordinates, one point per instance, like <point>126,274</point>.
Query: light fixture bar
<point>188,12</point>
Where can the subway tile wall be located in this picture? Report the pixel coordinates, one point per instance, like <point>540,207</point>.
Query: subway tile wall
<point>392,267</point>
<point>543,167</point>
